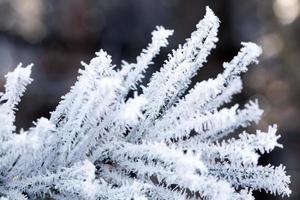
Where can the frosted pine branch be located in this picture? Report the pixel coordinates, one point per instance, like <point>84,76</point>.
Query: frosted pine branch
<point>133,73</point>
<point>14,88</point>
<point>100,143</point>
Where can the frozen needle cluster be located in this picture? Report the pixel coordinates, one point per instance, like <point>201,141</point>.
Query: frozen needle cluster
<point>164,143</point>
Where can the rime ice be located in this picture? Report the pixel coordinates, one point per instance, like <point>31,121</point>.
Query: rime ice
<point>160,144</point>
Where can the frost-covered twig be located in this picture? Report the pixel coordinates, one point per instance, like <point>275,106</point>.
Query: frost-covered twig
<point>100,143</point>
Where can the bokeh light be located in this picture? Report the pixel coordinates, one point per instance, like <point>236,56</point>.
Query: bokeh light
<point>286,11</point>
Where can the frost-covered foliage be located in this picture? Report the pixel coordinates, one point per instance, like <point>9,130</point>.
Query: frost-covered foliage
<point>164,143</point>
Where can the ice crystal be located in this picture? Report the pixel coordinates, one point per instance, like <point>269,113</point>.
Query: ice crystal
<point>164,143</point>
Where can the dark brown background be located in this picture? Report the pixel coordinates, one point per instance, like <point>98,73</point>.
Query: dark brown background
<point>57,35</point>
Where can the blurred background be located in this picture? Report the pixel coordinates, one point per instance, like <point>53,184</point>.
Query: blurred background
<point>57,35</point>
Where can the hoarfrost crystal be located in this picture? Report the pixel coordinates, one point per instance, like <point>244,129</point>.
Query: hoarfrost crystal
<point>165,143</point>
